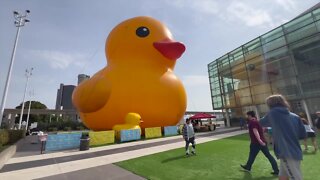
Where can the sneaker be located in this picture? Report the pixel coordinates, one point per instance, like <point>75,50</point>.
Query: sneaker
<point>193,152</point>
<point>276,173</point>
<point>245,168</point>
<point>187,154</point>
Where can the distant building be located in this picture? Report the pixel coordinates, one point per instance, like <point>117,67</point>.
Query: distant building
<point>64,97</point>
<point>82,77</point>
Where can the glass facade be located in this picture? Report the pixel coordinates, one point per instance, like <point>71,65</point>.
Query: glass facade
<point>283,61</point>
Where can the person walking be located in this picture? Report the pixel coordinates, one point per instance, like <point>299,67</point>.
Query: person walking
<point>188,136</point>
<point>258,143</point>
<point>310,134</point>
<point>317,121</point>
<point>242,124</point>
<point>287,130</point>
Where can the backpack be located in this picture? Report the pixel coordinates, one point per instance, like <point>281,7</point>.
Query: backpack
<point>318,123</point>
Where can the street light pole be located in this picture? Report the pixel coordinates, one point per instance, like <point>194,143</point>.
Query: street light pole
<point>20,20</point>
<point>30,101</point>
<point>28,74</point>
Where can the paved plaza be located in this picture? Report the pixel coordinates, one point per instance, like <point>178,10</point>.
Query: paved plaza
<point>95,163</point>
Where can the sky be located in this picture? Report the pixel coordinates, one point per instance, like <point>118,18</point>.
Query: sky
<point>67,37</point>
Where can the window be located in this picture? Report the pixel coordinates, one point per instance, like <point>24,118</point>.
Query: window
<point>301,33</point>
<point>276,55</point>
<point>217,101</point>
<point>252,49</point>
<point>272,35</point>
<point>223,62</point>
<point>298,23</point>
<point>260,98</point>
<point>241,80</point>
<point>287,87</point>
<point>229,100</point>
<point>281,73</point>
<point>261,89</point>
<point>236,56</point>
<point>318,25</point>
<point>306,55</point>
<point>274,44</point>
<point>316,14</point>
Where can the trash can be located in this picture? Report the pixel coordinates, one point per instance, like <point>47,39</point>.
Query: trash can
<point>84,142</point>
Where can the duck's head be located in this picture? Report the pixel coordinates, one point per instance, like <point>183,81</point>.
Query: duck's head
<point>133,118</point>
<point>142,40</point>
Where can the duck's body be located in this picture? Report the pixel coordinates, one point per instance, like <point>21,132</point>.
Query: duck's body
<point>137,79</point>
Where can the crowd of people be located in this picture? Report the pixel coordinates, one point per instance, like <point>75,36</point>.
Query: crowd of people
<point>285,130</point>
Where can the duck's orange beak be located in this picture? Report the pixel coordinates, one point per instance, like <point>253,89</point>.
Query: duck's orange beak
<point>170,49</point>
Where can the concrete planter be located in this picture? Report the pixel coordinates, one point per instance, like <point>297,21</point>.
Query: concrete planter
<point>6,154</point>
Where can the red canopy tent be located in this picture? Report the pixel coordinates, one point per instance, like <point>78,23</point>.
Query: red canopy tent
<point>202,116</point>
<point>197,119</point>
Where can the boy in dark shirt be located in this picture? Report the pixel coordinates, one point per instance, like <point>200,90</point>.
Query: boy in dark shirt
<point>258,143</point>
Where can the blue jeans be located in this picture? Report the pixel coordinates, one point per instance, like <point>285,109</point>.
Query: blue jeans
<point>254,150</point>
<point>188,141</point>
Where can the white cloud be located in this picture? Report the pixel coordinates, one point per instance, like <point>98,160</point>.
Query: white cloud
<point>60,60</point>
<point>288,5</point>
<point>245,12</point>
<point>198,92</point>
<point>206,6</point>
<point>195,80</point>
<point>248,15</point>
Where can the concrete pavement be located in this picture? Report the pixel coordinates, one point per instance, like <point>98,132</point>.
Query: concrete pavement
<point>95,163</point>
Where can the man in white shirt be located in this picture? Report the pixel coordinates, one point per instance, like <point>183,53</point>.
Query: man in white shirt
<point>188,136</point>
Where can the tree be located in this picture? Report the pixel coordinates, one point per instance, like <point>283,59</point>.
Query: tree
<point>33,117</point>
<point>34,105</point>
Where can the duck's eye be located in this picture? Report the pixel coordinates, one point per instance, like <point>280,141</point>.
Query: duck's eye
<point>142,31</point>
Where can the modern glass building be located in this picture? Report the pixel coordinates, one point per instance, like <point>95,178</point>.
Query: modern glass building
<point>285,60</point>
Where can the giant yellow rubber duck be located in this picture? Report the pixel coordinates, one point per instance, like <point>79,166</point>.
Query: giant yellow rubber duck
<point>141,56</point>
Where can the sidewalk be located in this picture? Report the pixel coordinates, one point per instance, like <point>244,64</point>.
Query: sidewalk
<point>95,163</point>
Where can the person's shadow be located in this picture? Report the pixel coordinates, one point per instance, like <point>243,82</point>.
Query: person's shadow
<point>175,158</point>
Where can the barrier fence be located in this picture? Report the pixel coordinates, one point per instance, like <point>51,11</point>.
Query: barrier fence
<point>63,141</point>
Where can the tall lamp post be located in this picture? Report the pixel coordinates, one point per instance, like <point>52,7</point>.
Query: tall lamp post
<point>31,93</point>
<point>20,21</point>
<point>28,74</point>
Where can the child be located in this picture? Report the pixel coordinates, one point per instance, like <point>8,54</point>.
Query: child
<point>188,136</point>
<point>310,134</point>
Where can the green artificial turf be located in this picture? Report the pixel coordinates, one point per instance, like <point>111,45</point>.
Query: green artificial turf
<point>219,160</point>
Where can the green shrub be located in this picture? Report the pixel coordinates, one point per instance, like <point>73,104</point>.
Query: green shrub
<point>67,128</point>
<point>52,129</point>
<point>80,128</point>
<point>42,126</point>
<point>16,135</point>
<point>4,137</point>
